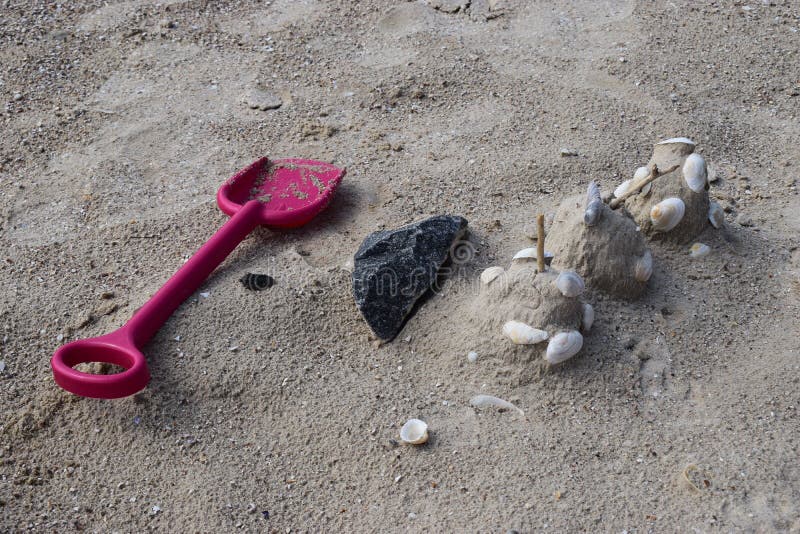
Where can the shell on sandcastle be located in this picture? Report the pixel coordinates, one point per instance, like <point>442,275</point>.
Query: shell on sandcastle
<point>686,181</point>
<point>604,254</point>
<point>522,308</point>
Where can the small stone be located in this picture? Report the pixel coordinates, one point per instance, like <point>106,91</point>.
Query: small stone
<point>673,97</point>
<point>2,366</point>
<point>568,152</point>
<point>17,97</point>
<point>155,510</point>
<point>105,295</point>
<point>394,268</point>
<point>166,23</point>
<point>472,356</point>
<point>412,515</point>
<point>449,6</point>
<point>263,100</point>
<point>744,220</point>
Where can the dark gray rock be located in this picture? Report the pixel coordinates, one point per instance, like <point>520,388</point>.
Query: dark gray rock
<point>394,268</point>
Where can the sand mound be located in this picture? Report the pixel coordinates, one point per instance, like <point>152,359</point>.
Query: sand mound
<point>667,155</point>
<point>521,294</point>
<point>604,254</point>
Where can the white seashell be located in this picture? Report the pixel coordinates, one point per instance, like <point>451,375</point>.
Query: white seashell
<point>523,334</point>
<point>667,214</point>
<point>414,432</point>
<point>529,254</point>
<point>640,174</point>
<point>623,187</point>
<point>488,275</point>
<point>594,204</point>
<point>643,269</point>
<point>694,172</point>
<point>564,346</point>
<point>570,284</point>
<point>588,317</point>
<point>699,250</point>
<point>487,401</point>
<point>716,215</point>
<point>680,140</point>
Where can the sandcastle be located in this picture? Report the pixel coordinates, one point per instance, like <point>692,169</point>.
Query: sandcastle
<point>603,242</point>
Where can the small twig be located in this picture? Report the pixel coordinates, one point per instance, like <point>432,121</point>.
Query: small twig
<point>540,242</point>
<point>634,188</point>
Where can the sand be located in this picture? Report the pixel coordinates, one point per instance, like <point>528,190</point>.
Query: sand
<point>276,411</point>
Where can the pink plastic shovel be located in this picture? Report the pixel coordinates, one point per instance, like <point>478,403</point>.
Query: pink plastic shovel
<point>282,194</point>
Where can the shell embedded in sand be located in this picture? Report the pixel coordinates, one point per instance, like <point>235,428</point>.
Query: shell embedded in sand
<point>564,346</point>
<point>523,334</point>
<point>643,269</point>
<point>716,215</point>
<point>487,401</point>
<point>570,284</point>
<point>640,174</point>
<point>489,274</point>
<point>414,432</point>
<point>699,250</point>
<point>622,188</point>
<point>529,254</point>
<point>695,173</point>
<point>678,140</point>
<point>594,205</point>
<point>667,214</point>
<point>588,317</point>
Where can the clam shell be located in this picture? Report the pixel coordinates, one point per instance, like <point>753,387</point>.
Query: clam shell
<point>594,204</point>
<point>570,284</point>
<point>414,432</point>
<point>695,173</point>
<point>699,250</point>
<point>564,346</point>
<point>622,188</point>
<point>529,254</point>
<point>489,274</point>
<point>643,269</point>
<point>641,173</point>
<point>667,214</point>
<point>588,317</point>
<point>716,215</point>
<point>488,401</point>
<point>679,140</point>
<point>523,334</point>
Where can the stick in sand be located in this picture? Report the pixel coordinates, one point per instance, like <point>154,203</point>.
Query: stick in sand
<point>634,188</point>
<point>540,242</point>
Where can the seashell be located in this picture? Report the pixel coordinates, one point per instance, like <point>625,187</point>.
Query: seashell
<point>487,401</point>
<point>594,205</point>
<point>716,215</point>
<point>523,334</point>
<point>623,187</point>
<point>640,174</point>
<point>570,284</point>
<point>564,346</point>
<point>678,140</point>
<point>643,269</point>
<point>529,254</point>
<point>699,250</point>
<point>694,172</point>
<point>667,214</point>
<point>257,282</point>
<point>588,317</point>
<point>414,432</point>
<point>488,275</point>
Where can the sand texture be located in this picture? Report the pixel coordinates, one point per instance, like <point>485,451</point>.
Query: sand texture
<point>278,410</point>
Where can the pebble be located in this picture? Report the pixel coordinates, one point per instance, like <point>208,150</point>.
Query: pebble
<point>472,356</point>
<point>2,366</point>
<point>263,100</point>
<point>17,97</point>
<point>568,152</point>
<point>744,220</point>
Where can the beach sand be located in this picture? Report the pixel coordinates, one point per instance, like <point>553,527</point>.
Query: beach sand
<point>276,411</point>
